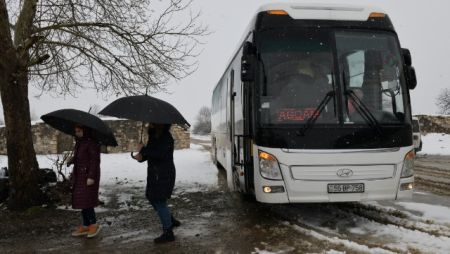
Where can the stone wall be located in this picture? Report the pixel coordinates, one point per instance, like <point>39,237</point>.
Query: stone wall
<point>48,140</point>
<point>434,124</point>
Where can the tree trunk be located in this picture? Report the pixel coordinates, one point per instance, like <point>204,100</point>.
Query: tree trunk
<point>22,164</point>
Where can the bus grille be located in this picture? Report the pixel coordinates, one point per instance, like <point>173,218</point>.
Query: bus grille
<point>342,172</point>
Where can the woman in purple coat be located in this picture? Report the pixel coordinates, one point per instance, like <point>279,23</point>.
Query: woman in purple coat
<point>85,179</point>
<point>160,175</point>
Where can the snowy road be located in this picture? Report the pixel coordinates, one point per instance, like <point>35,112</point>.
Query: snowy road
<point>397,227</point>
<point>433,174</point>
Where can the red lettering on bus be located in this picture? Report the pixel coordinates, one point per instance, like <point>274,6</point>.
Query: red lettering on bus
<point>291,114</point>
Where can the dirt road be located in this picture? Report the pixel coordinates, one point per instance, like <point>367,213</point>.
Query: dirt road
<point>433,174</point>
<point>217,221</point>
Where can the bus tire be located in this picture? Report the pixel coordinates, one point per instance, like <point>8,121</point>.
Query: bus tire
<point>215,153</point>
<point>237,185</point>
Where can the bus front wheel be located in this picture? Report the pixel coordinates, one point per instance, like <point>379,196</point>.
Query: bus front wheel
<point>237,184</point>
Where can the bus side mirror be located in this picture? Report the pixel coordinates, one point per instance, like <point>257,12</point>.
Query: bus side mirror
<point>410,71</point>
<point>407,57</point>
<point>247,68</point>
<point>248,63</point>
<point>411,79</point>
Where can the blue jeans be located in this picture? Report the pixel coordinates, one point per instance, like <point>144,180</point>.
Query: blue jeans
<point>88,216</point>
<point>163,212</point>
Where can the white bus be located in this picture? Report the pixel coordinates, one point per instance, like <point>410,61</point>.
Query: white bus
<point>314,106</point>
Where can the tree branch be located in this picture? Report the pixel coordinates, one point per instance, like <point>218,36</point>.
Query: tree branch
<point>38,60</point>
<point>120,46</point>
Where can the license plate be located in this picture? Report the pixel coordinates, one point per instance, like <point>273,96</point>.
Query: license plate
<point>346,188</point>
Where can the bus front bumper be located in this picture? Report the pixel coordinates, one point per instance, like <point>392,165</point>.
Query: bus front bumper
<point>313,191</point>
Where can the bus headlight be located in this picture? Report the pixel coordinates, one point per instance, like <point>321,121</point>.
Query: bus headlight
<point>268,166</point>
<point>408,165</point>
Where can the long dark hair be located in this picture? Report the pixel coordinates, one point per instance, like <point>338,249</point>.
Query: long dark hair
<point>158,129</point>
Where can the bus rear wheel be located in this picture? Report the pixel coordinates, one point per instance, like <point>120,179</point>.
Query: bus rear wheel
<point>214,147</point>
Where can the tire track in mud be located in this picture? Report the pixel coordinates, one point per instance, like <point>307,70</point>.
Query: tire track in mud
<point>401,222</point>
<point>392,216</point>
<point>433,175</point>
<point>436,187</point>
<point>323,222</point>
<point>339,223</point>
<point>432,171</point>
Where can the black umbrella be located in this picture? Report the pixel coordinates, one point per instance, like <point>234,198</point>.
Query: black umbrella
<point>65,119</point>
<point>144,108</point>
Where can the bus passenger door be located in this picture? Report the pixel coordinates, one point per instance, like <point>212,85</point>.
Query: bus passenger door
<point>231,179</point>
<point>230,151</point>
<point>236,96</point>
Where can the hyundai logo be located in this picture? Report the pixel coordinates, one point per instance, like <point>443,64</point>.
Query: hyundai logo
<point>344,172</point>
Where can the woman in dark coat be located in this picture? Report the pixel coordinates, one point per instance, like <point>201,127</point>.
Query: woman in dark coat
<point>85,179</point>
<point>160,175</point>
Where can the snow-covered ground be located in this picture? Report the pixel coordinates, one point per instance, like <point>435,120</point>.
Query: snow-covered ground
<point>196,170</point>
<point>436,144</point>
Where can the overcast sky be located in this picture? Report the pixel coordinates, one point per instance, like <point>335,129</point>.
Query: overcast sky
<point>421,26</point>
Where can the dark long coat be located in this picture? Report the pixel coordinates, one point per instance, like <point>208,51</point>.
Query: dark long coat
<point>161,168</point>
<point>86,161</point>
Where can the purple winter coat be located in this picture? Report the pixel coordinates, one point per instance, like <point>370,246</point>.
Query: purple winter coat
<point>86,161</point>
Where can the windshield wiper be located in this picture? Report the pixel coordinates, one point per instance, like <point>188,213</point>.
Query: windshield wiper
<point>363,111</point>
<point>316,113</point>
<point>264,92</point>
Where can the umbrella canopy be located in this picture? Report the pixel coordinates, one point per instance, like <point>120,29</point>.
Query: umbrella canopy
<point>65,119</point>
<point>144,108</point>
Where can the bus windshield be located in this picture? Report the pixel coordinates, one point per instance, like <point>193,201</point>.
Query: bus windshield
<point>297,73</point>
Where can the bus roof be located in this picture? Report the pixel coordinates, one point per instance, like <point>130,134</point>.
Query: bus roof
<point>323,11</point>
<point>312,11</point>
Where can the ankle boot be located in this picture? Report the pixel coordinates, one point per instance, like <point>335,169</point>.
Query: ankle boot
<point>175,223</point>
<point>167,236</point>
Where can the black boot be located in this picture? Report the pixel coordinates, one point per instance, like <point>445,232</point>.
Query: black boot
<point>167,236</point>
<point>175,223</point>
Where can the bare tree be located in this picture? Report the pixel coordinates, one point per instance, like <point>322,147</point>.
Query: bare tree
<point>443,101</point>
<point>203,122</point>
<point>114,47</point>
<point>60,163</point>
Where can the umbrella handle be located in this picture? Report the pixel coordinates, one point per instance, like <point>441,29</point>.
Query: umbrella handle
<point>132,156</point>
<point>142,130</point>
